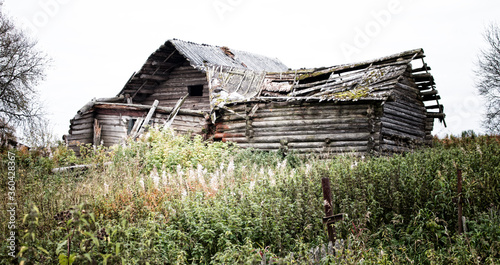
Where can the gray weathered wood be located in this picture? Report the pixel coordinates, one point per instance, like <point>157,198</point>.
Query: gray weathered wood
<point>146,120</point>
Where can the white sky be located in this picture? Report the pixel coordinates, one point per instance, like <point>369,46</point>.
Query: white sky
<point>97,45</point>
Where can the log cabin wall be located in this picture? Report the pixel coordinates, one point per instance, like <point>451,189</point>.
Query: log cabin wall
<point>182,80</point>
<point>375,106</point>
<point>404,119</point>
<point>80,131</point>
<point>116,121</point>
<point>328,128</point>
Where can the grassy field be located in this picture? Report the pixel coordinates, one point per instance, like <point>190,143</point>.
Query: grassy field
<point>168,199</point>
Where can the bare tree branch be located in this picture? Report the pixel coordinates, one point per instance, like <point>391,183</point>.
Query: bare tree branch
<point>22,67</point>
<point>488,78</point>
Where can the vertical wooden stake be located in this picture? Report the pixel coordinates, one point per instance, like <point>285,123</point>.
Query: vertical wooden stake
<point>97,133</point>
<point>327,202</point>
<point>459,201</point>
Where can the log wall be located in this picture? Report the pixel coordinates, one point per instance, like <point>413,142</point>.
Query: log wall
<point>170,91</point>
<point>404,120</point>
<point>114,125</point>
<point>304,127</point>
<point>81,131</point>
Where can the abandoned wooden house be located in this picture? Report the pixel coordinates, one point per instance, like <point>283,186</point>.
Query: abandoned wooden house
<point>379,106</point>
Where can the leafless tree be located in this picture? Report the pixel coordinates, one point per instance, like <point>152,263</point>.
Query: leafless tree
<point>22,67</point>
<point>488,78</point>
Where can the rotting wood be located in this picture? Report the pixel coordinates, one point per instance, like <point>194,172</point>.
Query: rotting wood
<point>146,120</point>
<point>97,133</point>
<point>173,113</point>
<point>78,167</point>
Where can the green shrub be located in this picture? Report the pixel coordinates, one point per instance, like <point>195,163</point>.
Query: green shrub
<point>180,200</point>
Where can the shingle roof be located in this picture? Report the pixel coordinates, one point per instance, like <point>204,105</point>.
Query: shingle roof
<point>175,52</point>
<point>202,54</point>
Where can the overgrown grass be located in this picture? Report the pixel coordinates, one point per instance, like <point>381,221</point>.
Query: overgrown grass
<point>173,200</point>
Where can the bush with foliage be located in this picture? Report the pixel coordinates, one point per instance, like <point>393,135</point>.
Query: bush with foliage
<point>168,199</point>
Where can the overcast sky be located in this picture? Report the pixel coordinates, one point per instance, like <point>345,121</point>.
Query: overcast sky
<point>97,45</point>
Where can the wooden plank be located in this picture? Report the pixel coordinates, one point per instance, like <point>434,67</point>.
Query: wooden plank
<point>146,120</point>
<point>173,113</point>
<point>97,133</point>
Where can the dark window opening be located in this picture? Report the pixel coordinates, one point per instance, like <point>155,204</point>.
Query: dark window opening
<point>195,91</point>
<point>130,125</point>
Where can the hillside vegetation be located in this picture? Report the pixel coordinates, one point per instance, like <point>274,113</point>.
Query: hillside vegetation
<point>168,199</point>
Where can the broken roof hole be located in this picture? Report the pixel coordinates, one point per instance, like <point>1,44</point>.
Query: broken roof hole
<point>227,51</point>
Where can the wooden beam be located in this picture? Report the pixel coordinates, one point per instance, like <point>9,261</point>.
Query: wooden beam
<point>431,97</point>
<point>174,112</point>
<point>429,93</point>
<point>436,115</point>
<point>421,69</point>
<point>146,120</point>
<point>423,77</point>
<point>440,107</point>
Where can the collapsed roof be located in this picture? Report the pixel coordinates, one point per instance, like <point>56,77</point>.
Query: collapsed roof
<point>236,76</point>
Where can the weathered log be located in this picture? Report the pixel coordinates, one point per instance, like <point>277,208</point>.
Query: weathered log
<point>154,77</point>
<point>431,97</point>
<point>287,129</point>
<point>89,131</point>
<point>418,114</point>
<point>436,115</point>
<point>266,124</point>
<point>390,132</point>
<point>408,88</point>
<point>78,167</point>
<point>307,138</point>
<point>423,77</point>
<point>394,149</point>
<point>429,93</point>
<point>323,144</point>
<point>404,129</point>
<point>397,114</point>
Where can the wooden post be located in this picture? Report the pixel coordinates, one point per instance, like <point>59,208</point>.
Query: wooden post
<point>327,202</point>
<point>173,113</point>
<point>329,218</point>
<point>459,201</point>
<point>148,117</point>
<point>97,133</point>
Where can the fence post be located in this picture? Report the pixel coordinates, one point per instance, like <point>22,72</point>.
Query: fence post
<point>329,218</point>
<point>327,202</point>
